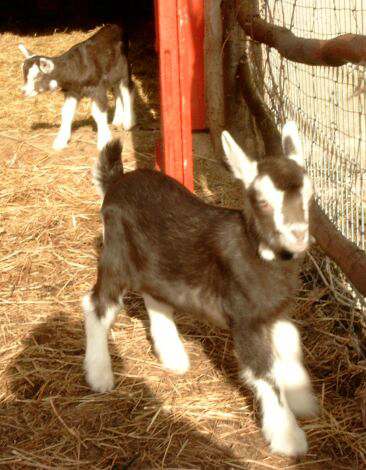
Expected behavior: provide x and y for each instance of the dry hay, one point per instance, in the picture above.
(49, 241)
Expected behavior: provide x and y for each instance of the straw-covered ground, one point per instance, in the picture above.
(49, 236)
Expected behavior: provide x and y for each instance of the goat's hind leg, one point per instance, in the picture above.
(124, 113)
(257, 356)
(100, 115)
(118, 111)
(167, 343)
(100, 313)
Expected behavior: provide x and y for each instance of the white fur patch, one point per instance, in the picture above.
(291, 132)
(295, 383)
(279, 425)
(67, 115)
(288, 370)
(97, 363)
(118, 112)
(307, 191)
(29, 88)
(128, 115)
(267, 190)
(101, 119)
(265, 252)
(286, 340)
(53, 85)
(25, 51)
(242, 167)
(288, 232)
(164, 333)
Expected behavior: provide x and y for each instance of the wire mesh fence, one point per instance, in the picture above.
(328, 104)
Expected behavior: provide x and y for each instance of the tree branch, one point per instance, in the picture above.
(340, 50)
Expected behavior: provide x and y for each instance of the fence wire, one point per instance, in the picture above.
(328, 104)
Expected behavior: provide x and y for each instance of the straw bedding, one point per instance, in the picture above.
(50, 237)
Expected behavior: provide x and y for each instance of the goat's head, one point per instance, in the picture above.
(37, 72)
(279, 192)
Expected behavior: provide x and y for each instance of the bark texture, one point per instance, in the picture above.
(340, 50)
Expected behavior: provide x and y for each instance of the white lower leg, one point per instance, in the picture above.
(101, 118)
(67, 115)
(165, 336)
(288, 370)
(97, 363)
(278, 422)
(118, 112)
(128, 116)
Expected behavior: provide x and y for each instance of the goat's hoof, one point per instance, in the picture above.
(59, 144)
(175, 361)
(100, 380)
(289, 441)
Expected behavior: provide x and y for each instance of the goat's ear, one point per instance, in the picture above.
(26, 52)
(46, 65)
(242, 167)
(291, 143)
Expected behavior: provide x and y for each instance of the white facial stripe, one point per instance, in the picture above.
(264, 186)
(29, 87)
(275, 197)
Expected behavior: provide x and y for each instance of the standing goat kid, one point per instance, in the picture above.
(89, 69)
(237, 269)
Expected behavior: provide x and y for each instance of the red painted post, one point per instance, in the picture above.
(180, 29)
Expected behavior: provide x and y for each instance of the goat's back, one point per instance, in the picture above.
(163, 240)
(99, 60)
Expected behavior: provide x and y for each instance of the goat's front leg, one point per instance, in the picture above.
(270, 357)
(167, 344)
(67, 115)
(97, 363)
(100, 115)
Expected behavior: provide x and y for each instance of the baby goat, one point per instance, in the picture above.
(88, 69)
(235, 269)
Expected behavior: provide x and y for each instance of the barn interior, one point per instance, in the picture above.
(50, 236)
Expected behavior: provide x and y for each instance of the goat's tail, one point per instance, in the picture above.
(109, 166)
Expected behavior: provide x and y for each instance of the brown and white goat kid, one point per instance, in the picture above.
(89, 69)
(236, 269)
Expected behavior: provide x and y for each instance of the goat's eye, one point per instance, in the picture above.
(264, 205)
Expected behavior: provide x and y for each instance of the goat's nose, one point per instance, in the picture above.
(299, 234)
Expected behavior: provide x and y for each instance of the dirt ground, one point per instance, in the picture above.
(49, 237)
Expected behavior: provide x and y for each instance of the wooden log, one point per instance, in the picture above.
(340, 50)
(214, 89)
